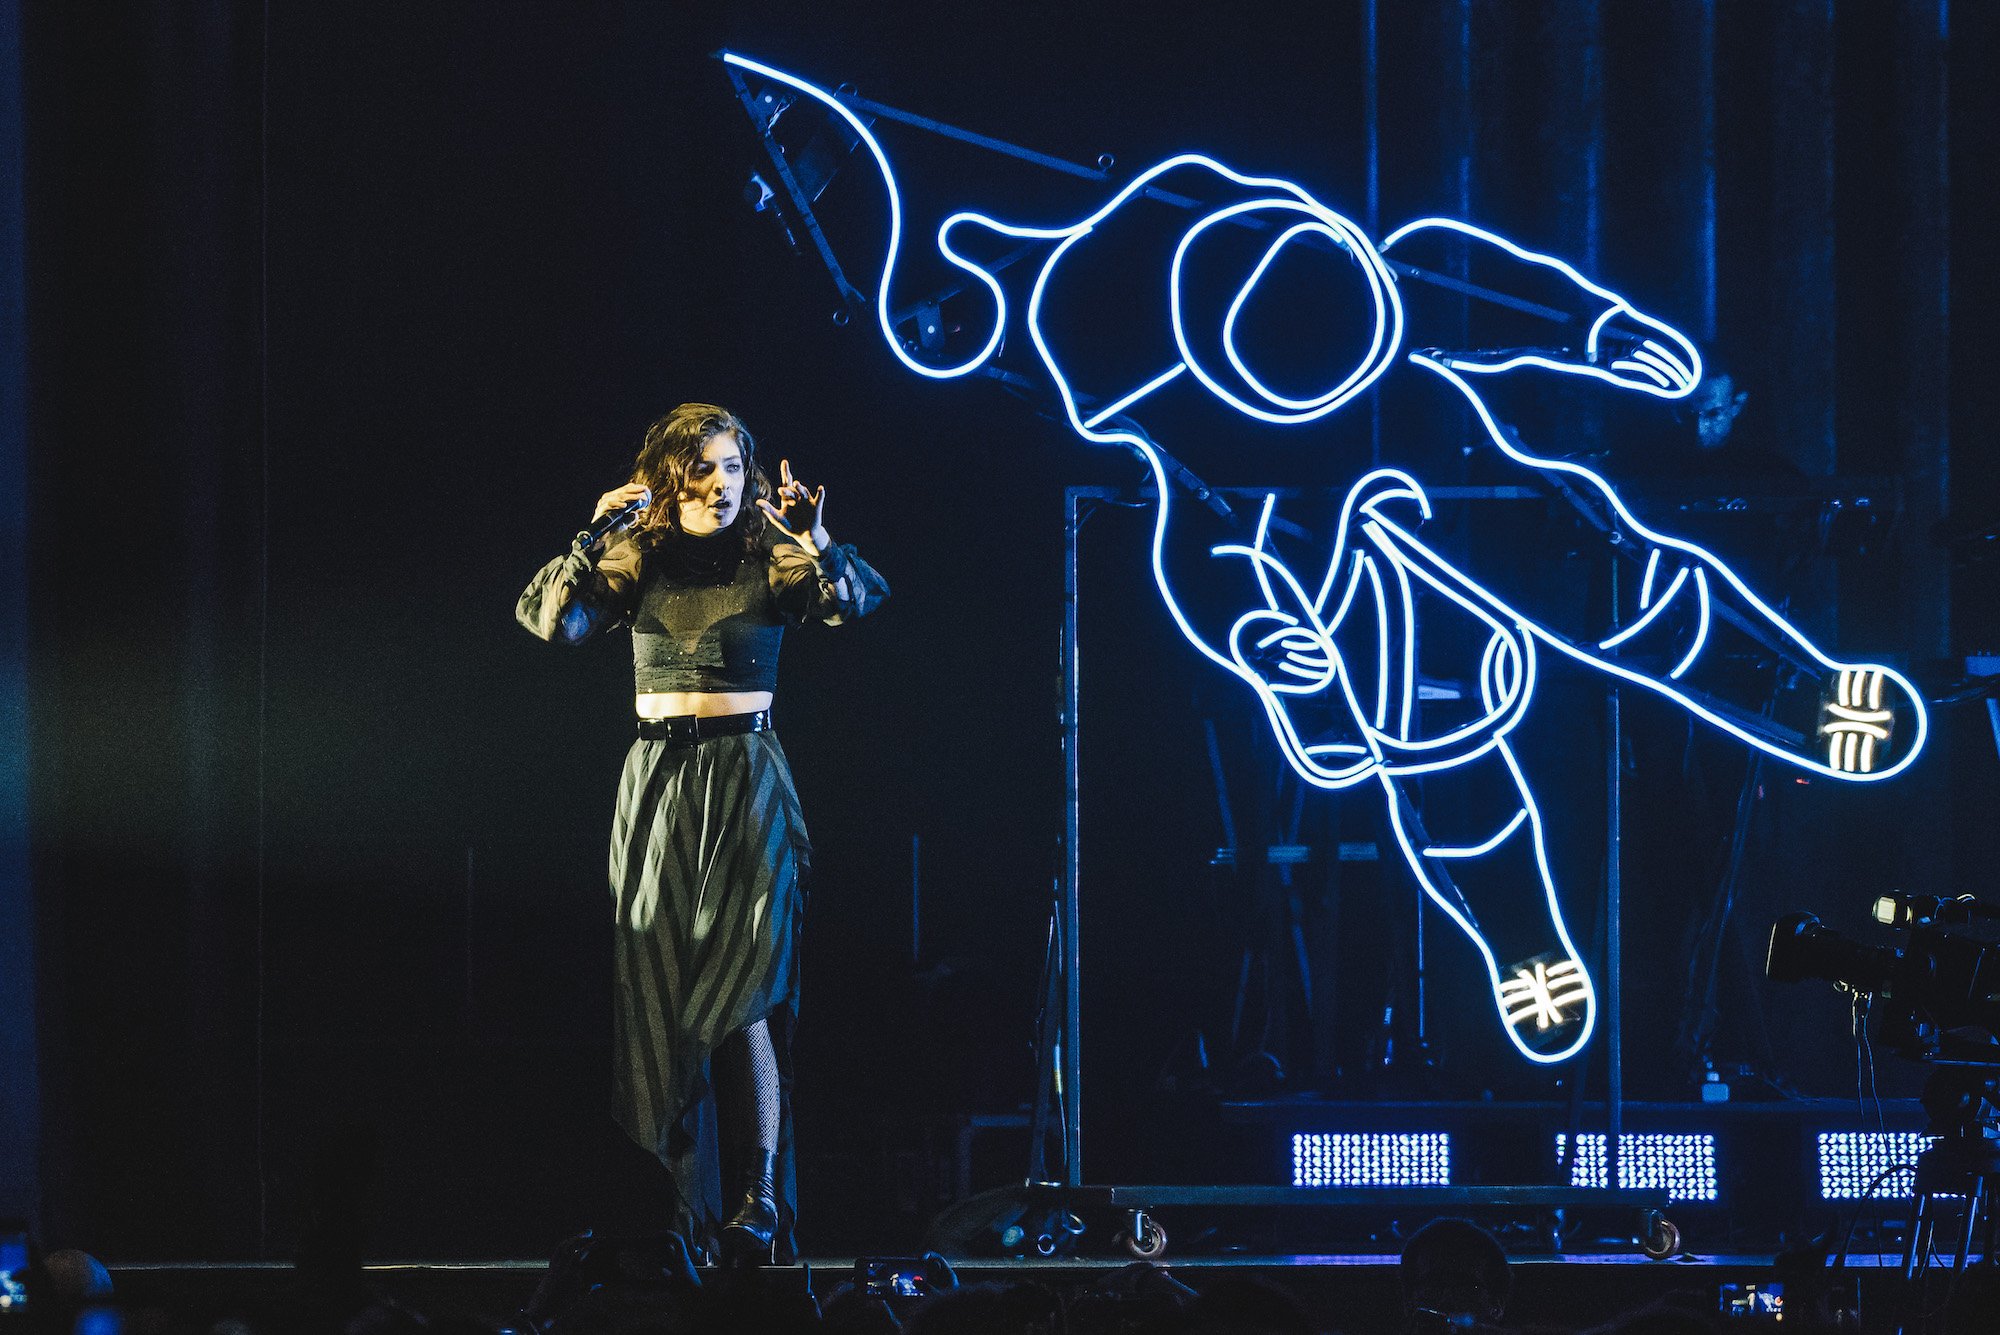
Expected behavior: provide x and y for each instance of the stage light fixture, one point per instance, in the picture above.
(1371, 1159)
(1850, 1160)
(1681, 1164)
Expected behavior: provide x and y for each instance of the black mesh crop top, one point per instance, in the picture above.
(704, 616)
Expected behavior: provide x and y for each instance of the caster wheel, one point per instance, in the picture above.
(1661, 1237)
(1145, 1240)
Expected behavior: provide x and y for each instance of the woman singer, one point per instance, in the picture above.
(708, 846)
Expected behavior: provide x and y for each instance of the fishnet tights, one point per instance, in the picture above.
(746, 1090)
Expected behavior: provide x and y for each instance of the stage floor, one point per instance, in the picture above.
(1347, 1291)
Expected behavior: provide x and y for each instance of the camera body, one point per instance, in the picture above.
(1938, 979)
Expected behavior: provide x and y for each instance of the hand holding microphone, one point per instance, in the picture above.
(616, 509)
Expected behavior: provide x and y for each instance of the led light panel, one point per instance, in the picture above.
(1850, 1160)
(1371, 1159)
(1681, 1164)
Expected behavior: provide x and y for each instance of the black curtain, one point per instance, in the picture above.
(20, 1056)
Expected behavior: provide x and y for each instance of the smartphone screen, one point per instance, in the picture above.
(1765, 1300)
(13, 1271)
(891, 1277)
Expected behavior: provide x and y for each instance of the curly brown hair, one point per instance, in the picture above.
(673, 446)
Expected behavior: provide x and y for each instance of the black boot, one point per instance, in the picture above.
(750, 1236)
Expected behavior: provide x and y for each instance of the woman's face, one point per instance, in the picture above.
(714, 491)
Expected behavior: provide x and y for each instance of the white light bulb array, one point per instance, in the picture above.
(1850, 1160)
(1371, 1159)
(1683, 1165)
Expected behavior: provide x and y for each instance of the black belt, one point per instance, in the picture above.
(687, 729)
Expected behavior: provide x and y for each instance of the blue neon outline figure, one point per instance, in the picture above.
(1309, 646)
(1302, 645)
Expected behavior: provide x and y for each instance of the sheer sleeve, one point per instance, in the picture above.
(836, 587)
(575, 596)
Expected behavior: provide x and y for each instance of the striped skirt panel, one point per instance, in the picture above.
(708, 858)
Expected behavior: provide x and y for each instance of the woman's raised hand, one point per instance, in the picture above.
(801, 510)
(620, 497)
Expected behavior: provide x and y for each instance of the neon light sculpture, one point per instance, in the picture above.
(1345, 640)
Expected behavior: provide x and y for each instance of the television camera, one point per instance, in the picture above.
(1937, 992)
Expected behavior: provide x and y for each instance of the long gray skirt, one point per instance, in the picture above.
(708, 861)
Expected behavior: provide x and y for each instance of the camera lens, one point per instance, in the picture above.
(1802, 948)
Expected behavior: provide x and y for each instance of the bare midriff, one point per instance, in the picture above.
(702, 704)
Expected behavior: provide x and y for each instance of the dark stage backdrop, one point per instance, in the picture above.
(340, 317)
(20, 1095)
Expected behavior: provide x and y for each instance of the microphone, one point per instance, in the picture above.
(611, 522)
